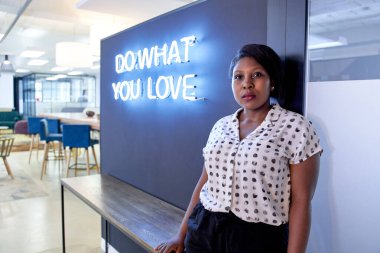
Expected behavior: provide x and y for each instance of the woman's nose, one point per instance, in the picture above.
(248, 83)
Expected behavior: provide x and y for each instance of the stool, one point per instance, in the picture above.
(49, 139)
(78, 136)
(34, 131)
(6, 144)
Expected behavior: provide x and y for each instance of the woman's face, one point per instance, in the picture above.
(250, 84)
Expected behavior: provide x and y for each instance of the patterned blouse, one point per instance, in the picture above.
(251, 177)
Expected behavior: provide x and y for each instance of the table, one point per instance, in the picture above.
(142, 217)
(3, 129)
(74, 118)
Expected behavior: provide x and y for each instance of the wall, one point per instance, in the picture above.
(346, 203)
(97, 90)
(6, 90)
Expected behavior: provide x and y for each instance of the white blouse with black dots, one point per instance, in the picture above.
(251, 177)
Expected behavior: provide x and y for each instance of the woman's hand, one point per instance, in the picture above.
(175, 244)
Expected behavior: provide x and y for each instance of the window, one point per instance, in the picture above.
(344, 40)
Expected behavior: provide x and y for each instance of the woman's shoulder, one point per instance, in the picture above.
(226, 122)
(228, 118)
(290, 116)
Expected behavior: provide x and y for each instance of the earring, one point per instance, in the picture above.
(272, 88)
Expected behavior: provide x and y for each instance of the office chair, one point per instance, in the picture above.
(50, 138)
(34, 131)
(78, 136)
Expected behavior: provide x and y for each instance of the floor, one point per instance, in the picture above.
(34, 224)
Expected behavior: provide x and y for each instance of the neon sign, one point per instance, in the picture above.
(162, 87)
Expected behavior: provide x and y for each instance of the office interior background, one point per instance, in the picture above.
(340, 97)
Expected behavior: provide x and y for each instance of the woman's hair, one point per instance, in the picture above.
(267, 58)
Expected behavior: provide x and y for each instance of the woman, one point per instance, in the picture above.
(260, 171)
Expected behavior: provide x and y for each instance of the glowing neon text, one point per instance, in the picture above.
(161, 87)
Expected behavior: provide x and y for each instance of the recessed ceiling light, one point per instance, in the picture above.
(75, 73)
(60, 76)
(32, 53)
(59, 69)
(37, 62)
(33, 33)
(22, 70)
(51, 78)
(319, 42)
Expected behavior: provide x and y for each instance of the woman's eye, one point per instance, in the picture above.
(257, 75)
(237, 77)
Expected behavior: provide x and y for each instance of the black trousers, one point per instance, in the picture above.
(215, 232)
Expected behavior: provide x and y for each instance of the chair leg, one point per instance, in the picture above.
(62, 153)
(76, 160)
(8, 168)
(96, 161)
(38, 144)
(68, 163)
(44, 163)
(31, 147)
(53, 148)
(58, 157)
(87, 162)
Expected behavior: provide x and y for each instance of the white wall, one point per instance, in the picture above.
(6, 90)
(97, 90)
(346, 207)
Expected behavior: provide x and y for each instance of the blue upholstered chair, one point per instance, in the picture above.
(54, 126)
(79, 136)
(50, 138)
(34, 130)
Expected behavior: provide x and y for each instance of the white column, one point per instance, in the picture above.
(6, 90)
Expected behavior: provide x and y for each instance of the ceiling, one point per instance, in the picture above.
(44, 23)
(353, 25)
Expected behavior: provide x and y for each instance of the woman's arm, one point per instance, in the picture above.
(303, 178)
(176, 244)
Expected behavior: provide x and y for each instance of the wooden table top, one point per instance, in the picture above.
(144, 218)
(74, 118)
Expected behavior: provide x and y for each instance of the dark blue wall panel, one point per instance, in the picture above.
(156, 145)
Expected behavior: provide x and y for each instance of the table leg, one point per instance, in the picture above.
(63, 219)
(107, 235)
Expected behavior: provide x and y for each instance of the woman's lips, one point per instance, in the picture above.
(248, 96)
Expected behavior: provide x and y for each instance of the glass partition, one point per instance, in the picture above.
(41, 94)
(344, 40)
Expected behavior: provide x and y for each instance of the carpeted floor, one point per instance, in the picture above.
(22, 187)
(22, 141)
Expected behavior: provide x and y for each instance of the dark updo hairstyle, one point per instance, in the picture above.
(267, 58)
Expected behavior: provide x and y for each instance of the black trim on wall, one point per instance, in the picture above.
(16, 93)
(287, 33)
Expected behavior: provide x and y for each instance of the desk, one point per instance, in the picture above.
(74, 118)
(142, 217)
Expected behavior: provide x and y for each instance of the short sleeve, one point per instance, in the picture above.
(306, 142)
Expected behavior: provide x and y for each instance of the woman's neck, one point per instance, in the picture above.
(255, 116)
